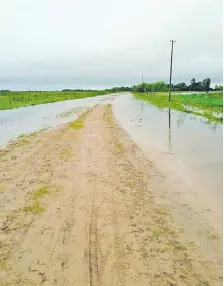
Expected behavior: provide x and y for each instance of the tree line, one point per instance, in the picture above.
(202, 86)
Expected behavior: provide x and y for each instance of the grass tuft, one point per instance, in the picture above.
(77, 124)
(65, 154)
(35, 206)
(4, 255)
(119, 146)
(40, 193)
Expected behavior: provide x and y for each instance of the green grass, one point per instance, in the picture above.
(14, 99)
(209, 104)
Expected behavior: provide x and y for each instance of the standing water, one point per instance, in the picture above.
(24, 120)
(180, 144)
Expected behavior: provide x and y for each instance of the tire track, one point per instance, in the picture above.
(65, 222)
(93, 242)
(93, 252)
(119, 251)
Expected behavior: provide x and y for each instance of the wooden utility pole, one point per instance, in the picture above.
(142, 79)
(171, 67)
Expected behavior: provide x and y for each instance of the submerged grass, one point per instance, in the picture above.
(15, 99)
(207, 105)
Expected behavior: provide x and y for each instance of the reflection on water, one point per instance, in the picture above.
(170, 143)
(194, 144)
(169, 125)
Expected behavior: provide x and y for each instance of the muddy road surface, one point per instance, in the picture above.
(78, 207)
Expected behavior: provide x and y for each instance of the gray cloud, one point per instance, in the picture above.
(91, 44)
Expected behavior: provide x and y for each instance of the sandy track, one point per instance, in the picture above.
(78, 208)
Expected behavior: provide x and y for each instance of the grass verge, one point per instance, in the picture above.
(15, 99)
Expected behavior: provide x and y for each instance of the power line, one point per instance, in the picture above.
(171, 67)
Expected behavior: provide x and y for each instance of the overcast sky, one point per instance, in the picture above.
(53, 44)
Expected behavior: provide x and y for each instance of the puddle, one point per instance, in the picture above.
(25, 120)
(180, 144)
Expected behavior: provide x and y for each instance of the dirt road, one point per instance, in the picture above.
(78, 208)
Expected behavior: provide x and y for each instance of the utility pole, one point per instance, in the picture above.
(171, 66)
(142, 81)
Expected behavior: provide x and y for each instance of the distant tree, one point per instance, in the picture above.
(206, 84)
(151, 87)
(219, 87)
(180, 87)
(159, 86)
(193, 84)
(199, 86)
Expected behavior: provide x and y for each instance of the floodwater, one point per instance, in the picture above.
(25, 120)
(182, 146)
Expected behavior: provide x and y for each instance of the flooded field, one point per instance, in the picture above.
(25, 120)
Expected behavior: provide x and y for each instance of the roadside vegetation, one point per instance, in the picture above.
(14, 99)
(210, 105)
(197, 97)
